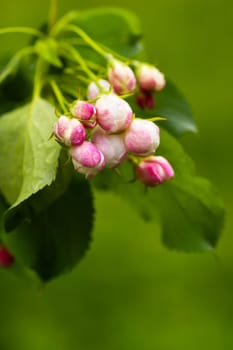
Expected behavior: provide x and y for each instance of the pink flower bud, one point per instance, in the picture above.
(93, 91)
(154, 171)
(142, 137)
(85, 112)
(150, 78)
(68, 131)
(113, 113)
(87, 159)
(121, 77)
(112, 147)
(6, 258)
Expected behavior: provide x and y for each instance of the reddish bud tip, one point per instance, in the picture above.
(6, 258)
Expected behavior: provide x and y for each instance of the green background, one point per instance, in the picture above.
(130, 293)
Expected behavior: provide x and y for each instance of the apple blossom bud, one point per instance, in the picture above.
(142, 137)
(154, 171)
(150, 78)
(87, 159)
(85, 112)
(112, 147)
(68, 131)
(93, 90)
(113, 113)
(121, 77)
(6, 258)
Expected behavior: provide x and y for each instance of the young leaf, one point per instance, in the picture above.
(28, 158)
(48, 49)
(190, 211)
(170, 103)
(56, 239)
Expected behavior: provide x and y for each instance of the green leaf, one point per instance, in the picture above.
(188, 207)
(170, 103)
(41, 200)
(115, 28)
(53, 241)
(191, 210)
(197, 220)
(28, 157)
(48, 50)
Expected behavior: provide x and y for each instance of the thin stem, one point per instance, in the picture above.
(57, 92)
(134, 159)
(87, 39)
(38, 79)
(116, 55)
(78, 41)
(94, 66)
(23, 30)
(63, 22)
(70, 71)
(52, 13)
(78, 58)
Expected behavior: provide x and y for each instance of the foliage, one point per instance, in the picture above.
(48, 210)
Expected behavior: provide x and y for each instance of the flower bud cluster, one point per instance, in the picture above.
(103, 131)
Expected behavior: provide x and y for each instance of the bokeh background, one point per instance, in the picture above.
(130, 293)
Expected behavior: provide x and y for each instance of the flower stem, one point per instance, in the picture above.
(57, 92)
(38, 78)
(52, 13)
(134, 159)
(62, 22)
(72, 53)
(23, 30)
(87, 39)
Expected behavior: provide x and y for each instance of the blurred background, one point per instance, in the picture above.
(131, 293)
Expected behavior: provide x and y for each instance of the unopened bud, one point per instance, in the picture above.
(6, 258)
(122, 77)
(93, 90)
(85, 112)
(112, 147)
(69, 132)
(113, 113)
(87, 159)
(142, 137)
(150, 78)
(154, 171)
